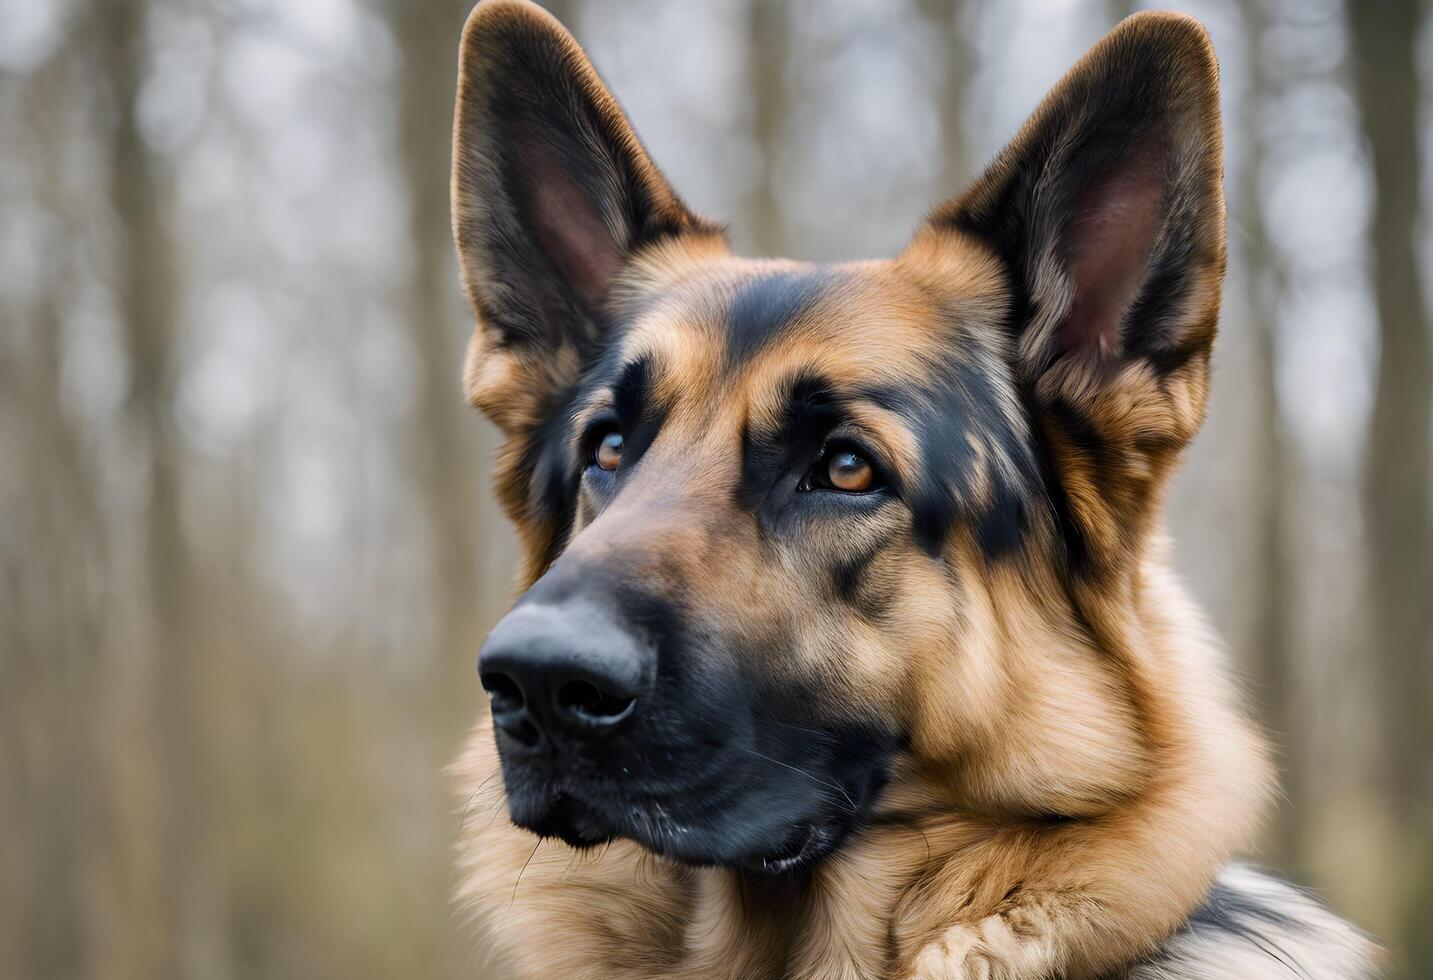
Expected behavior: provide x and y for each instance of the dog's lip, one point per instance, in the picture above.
(805, 843)
(567, 818)
(584, 815)
(570, 819)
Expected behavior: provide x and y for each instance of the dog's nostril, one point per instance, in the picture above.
(503, 692)
(588, 702)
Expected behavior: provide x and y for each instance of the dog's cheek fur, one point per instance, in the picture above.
(994, 659)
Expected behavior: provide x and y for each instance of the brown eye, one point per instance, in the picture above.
(609, 451)
(850, 472)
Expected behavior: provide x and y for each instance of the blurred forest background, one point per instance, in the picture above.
(247, 550)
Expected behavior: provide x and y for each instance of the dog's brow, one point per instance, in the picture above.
(780, 413)
(814, 405)
(623, 388)
(766, 306)
(629, 391)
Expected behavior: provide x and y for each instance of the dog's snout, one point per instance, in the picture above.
(563, 673)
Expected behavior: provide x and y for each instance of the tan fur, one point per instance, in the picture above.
(1099, 699)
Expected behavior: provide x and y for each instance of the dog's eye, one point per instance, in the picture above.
(845, 469)
(607, 451)
(850, 471)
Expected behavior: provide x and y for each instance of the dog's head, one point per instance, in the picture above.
(792, 529)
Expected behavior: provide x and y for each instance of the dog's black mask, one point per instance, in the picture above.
(617, 717)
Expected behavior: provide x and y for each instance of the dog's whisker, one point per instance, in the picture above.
(521, 872)
(467, 807)
(815, 779)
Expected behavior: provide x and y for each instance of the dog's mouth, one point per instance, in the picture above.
(580, 824)
(804, 846)
(773, 801)
(568, 819)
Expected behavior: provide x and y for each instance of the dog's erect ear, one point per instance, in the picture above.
(1108, 213)
(552, 195)
(553, 199)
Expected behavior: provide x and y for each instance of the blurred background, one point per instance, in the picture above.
(247, 548)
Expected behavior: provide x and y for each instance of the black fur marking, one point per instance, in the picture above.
(656, 613)
(1167, 360)
(812, 410)
(947, 415)
(1072, 535)
(846, 576)
(1001, 528)
(641, 417)
(1228, 911)
(629, 393)
(1152, 325)
(552, 477)
(545, 456)
(1105, 461)
(1083, 435)
(854, 587)
(764, 307)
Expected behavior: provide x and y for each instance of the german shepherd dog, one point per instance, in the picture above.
(848, 645)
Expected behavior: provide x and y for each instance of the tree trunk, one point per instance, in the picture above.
(52, 638)
(1271, 661)
(1399, 529)
(768, 49)
(1396, 485)
(957, 60)
(428, 38)
(145, 285)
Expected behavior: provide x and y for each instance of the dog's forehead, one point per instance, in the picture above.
(756, 325)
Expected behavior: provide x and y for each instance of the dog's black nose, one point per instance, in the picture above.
(563, 673)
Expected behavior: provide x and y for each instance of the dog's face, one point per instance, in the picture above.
(773, 475)
(793, 531)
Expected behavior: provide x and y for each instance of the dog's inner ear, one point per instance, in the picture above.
(567, 225)
(1106, 252)
(1107, 212)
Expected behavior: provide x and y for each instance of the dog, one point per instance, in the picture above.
(847, 645)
